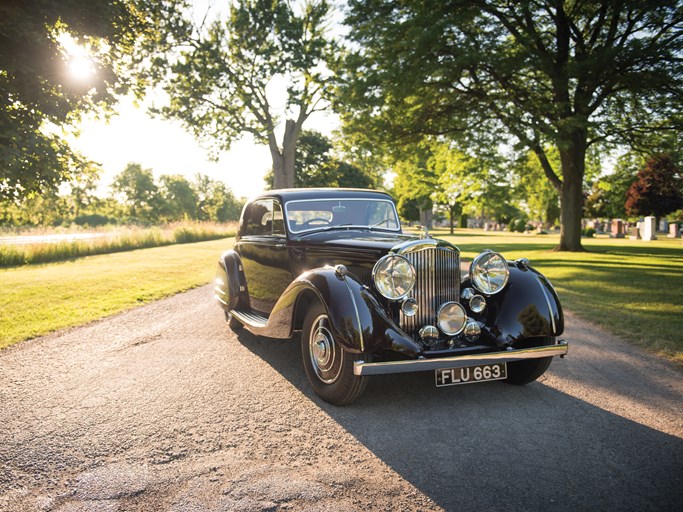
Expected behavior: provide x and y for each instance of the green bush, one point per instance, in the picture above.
(93, 220)
(588, 233)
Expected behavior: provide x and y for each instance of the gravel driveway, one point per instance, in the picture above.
(163, 408)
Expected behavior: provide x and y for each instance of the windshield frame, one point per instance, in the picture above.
(339, 226)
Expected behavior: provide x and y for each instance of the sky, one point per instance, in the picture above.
(165, 147)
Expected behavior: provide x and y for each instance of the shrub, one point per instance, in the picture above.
(588, 232)
(93, 220)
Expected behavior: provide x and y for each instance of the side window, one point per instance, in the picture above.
(259, 218)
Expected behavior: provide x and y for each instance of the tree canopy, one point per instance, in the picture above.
(219, 77)
(657, 190)
(39, 91)
(535, 73)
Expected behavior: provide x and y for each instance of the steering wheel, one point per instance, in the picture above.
(316, 219)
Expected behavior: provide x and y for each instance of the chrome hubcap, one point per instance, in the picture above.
(324, 353)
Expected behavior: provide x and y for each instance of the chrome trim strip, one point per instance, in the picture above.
(418, 365)
(355, 308)
(547, 301)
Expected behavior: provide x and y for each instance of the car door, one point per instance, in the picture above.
(263, 249)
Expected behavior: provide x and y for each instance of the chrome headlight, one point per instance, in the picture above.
(394, 276)
(489, 272)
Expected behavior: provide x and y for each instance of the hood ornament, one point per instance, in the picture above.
(425, 232)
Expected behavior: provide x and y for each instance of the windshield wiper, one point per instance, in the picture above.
(380, 222)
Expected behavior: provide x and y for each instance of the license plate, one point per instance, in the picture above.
(470, 374)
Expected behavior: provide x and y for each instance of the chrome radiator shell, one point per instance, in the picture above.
(437, 265)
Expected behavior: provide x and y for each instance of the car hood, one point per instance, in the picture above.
(354, 248)
(354, 239)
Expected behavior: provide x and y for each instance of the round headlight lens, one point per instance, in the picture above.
(394, 276)
(452, 318)
(489, 272)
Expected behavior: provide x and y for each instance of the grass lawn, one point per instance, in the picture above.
(631, 287)
(38, 299)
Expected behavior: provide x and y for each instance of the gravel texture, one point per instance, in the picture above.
(164, 408)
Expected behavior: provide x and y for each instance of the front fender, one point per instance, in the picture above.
(357, 320)
(527, 308)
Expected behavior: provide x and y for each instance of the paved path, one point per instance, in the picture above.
(163, 408)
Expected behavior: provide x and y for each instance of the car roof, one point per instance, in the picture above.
(294, 194)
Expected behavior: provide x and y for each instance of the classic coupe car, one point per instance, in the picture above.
(370, 299)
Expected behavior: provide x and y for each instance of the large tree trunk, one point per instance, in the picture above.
(283, 161)
(426, 218)
(573, 159)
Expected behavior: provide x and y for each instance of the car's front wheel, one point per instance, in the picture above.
(328, 366)
(528, 370)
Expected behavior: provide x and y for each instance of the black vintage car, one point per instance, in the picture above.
(369, 299)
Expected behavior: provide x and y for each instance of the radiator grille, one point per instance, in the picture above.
(438, 281)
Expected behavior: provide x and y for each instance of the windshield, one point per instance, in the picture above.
(322, 214)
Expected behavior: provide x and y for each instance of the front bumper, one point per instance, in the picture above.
(419, 365)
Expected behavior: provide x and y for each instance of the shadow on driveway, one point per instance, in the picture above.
(493, 446)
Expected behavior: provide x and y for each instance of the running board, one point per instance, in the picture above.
(250, 318)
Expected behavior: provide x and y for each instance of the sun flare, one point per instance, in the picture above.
(81, 68)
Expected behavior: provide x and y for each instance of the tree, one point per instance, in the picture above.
(532, 187)
(215, 201)
(457, 183)
(139, 191)
(178, 198)
(220, 77)
(414, 185)
(40, 93)
(565, 74)
(658, 189)
(607, 194)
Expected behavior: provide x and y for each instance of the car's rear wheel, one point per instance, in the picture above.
(528, 370)
(328, 366)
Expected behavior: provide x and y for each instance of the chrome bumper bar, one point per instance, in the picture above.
(419, 365)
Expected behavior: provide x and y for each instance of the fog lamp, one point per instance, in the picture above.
(472, 331)
(477, 303)
(409, 307)
(452, 318)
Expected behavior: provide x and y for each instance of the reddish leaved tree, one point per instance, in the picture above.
(658, 189)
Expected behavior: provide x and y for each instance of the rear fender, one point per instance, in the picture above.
(229, 285)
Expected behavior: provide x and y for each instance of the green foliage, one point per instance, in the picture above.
(415, 183)
(531, 186)
(316, 166)
(178, 198)
(607, 195)
(217, 76)
(38, 93)
(567, 75)
(139, 191)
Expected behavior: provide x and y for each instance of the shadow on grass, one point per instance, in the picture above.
(499, 447)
